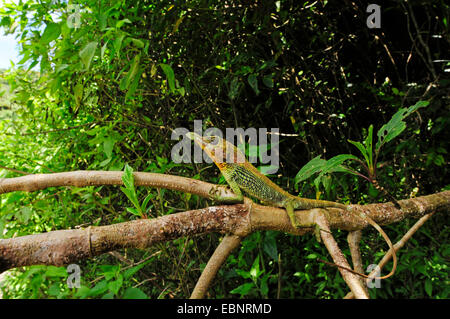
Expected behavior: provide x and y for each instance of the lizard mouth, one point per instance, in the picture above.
(208, 144)
(218, 149)
(213, 146)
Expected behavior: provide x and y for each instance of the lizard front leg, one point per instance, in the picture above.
(218, 195)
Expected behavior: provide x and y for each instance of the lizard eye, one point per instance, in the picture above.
(213, 140)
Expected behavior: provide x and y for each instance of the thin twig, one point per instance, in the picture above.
(15, 170)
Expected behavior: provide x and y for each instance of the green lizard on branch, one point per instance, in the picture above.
(241, 175)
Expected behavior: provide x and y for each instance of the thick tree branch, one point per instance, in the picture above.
(66, 246)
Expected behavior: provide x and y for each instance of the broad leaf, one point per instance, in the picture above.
(87, 53)
(234, 88)
(396, 125)
(134, 293)
(253, 81)
(243, 289)
(51, 32)
(170, 76)
(312, 167)
(362, 149)
(334, 163)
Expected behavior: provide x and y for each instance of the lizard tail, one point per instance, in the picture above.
(386, 238)
(388, 241)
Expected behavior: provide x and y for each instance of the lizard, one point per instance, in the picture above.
(243, 176)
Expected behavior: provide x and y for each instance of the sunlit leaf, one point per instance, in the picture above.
(168, 71)
(51, 33)
(87, 53)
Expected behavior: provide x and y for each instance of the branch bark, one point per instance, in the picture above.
(238, 220)
(397, 247)
(36, 182)
(353, 239)
(65, 246)
(351, 279)
(226, 246)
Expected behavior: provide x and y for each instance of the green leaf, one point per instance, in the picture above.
(334, 163)
(138, 43)
(131, 271)
(103, 49)
(168, 71)
(24, 214)
(115, 285)
(51, 32)
(368, 142)
(53, 271)
(253, 81)
(362, 149)
(120, 23)
(108, 146)
(54, 290)
(102, 20)
(99, 288)
(134, 293)
(243, 289)
(129, 190)
(244, 274)
(134, 85)
(133, 211)
(133, 70)
(270, 246)
(392, 129)
(118, 44)
(108, 295)
(396, 125)
(83, 292)
(234, 88)
(312, 167)
(255, 270)
(87, 53)
(416, 106)
(268, 81)
(78, 93)
(145, 202)
(128, 178)
(428, 287)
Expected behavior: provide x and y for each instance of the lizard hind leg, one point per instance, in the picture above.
(290, 211)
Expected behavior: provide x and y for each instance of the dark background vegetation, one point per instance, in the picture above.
(111, 91)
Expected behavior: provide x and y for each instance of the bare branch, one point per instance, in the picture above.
(65, 246)
(36, 182)
(397, 247)
(353, 239)
(226, 246)
(351, 279)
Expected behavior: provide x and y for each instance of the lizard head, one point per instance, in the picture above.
(219, 150)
